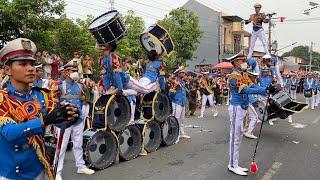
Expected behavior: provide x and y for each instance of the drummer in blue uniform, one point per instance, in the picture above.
(239, 87)
(309, 89)
(72, 92)
(317, 87)
(21, 145)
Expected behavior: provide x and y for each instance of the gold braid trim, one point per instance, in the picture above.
(40, 153)
(4, 120)
(241, 87)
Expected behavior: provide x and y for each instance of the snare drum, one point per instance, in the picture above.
(157, 38)
(225, 92)
(100, 148)
(308, 93)
(108, 28)
(293, 87)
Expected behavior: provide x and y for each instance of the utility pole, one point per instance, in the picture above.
(111, 4)
(270, 26)
(310, 56)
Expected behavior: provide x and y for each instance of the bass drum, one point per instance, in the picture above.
(108, 28)
(130, 142)
(157, 38)
(170, 131)
(100, 148)
(151, 133)
(115, 110)
(156, 105)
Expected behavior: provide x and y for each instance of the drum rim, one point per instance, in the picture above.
(105, 24)
(163, 138)
(114, 97)
(143, 134)
(120, 153)
(153, 37)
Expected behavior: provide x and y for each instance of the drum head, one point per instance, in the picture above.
(99, 112)
(149, 43)
(100, 148)
(119, 113)
(170, 131)
(260, 108)
(103, 19)
(152, 136)
(162, 107)
(130, 143)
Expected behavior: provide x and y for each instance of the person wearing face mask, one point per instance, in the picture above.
(72, 92)
(240, 89)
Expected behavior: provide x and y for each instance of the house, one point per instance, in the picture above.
(210, 20)
(233, 36)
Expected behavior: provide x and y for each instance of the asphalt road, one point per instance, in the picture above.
(286, 151)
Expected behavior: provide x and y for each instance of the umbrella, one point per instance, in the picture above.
(223, 65)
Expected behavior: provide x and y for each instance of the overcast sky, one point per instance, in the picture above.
(285, 33)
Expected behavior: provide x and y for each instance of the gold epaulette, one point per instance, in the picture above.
(236, 75)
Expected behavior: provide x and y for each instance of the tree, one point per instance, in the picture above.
(303, 52)
(20, 18)
(184, 29)
(130, 44)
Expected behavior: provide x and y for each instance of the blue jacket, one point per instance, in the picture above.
(180, 95)
(19, 159)
(309, 84)
(75, 93)
(153, 73)
(111, 78)
(265, 81)
(240, 93)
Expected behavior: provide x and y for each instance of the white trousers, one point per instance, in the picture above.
(143, 86)
(255, 35)
(253, 117)
(76, 133)
(133, 110)
(204, 100)
(237, 115)
(310, 101)
(293, 94)
(317, 99)
(180, 113)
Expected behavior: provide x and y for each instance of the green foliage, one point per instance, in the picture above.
(303, 52)
(20, 18)
(184, 29)
(130, 44)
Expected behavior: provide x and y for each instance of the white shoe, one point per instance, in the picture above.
(58, 177)
(177, 141)
(184, 136)
(251, 136)
(200, 116)
(237, 171)
(215, 114)
(290, 121)
(241, 168)
(271, 123)
(85, 171)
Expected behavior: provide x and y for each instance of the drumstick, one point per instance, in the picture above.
(57, 155)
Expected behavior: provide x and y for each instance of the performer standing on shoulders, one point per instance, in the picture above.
(257, 19)
(21, 145)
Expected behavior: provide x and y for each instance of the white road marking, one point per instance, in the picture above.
(316, 120)
(272, 171)
(298, 125)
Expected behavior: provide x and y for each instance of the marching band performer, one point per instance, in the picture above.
(240, 89)
(178, 96)
(308, 90)
(39, 81)
(253, 116)
(72, 92)
(294, 83)
(207, 95)
(317, 87)
(257, 19)
(21, 144)
(286, 79)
